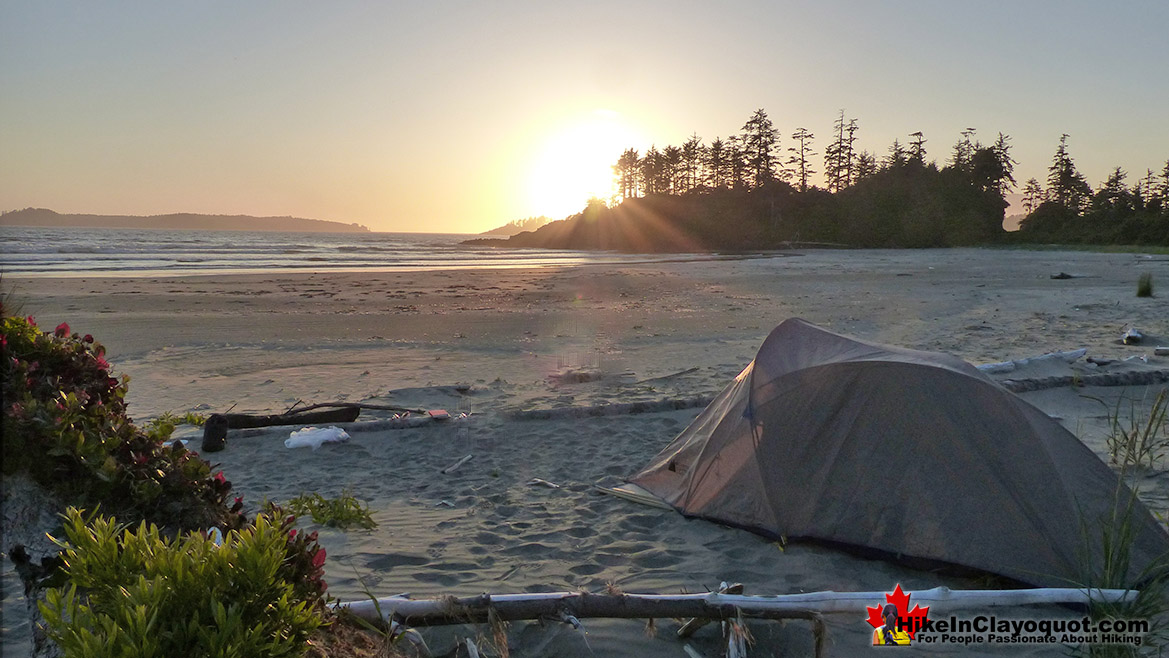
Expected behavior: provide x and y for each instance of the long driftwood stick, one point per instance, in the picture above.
(568, 605)
(345, 415)
(426, 612)
(353, 405)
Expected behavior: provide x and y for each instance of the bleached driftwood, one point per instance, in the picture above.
(694, 623)
(408, 421)
(1010, 366)
(1129, 378)
(456, 465)
(650, 406)
(713, 605)
(578, 605)
(427, 612)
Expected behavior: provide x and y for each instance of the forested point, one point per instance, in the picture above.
(739, 194)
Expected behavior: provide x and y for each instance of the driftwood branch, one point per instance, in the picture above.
(566, 605)
(216, 426)
(238, 421)
(354, 405)
(425, 612)
(487, 608)
(694, 623)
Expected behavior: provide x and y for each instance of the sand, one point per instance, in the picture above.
(488, 342)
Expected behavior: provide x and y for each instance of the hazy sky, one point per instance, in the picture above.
(460, 116)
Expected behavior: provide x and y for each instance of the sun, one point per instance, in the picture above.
(575, 162)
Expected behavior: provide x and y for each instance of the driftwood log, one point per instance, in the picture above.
(216, 426)
(713, 605)
(572, 606)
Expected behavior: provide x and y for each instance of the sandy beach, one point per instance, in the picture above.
(489, 342)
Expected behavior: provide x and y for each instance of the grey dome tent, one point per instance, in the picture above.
(909, 453)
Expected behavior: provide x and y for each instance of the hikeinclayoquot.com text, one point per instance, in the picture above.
(988, 629)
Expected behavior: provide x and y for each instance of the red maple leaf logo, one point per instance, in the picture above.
(908, 620)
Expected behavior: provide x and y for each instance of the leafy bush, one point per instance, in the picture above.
(162, 427)
(137, 593)
(342, 512)
(65, 423)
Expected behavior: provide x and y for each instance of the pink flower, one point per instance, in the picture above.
(319, 558)
(292, 534)
(31, 320)
(62, 330)
(88, 338)
(102, 363)
(219, 478)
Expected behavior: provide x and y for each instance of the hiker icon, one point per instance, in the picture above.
(890, 634)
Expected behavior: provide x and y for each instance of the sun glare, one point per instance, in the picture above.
(576, 162)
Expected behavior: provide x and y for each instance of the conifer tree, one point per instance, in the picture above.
(716, 163)
(759, 141)
(963, 155)
(917, 148)
(839, 157)
(691, 162)
(1032, 195)
(897, 156)
(1067, 185)
(801, 152)
(627, 172)
(866, 165)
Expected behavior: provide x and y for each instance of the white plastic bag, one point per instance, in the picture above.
(313, 437)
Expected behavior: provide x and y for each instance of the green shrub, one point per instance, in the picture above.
(137, 593)
(342, 512)
(162, 427)
(1145, 285)
(65, 424)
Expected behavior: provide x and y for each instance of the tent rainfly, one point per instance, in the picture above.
(899, 452)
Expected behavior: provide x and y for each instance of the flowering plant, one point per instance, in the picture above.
(65, 424)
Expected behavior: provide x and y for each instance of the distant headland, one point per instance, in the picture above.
(739, 195)
(177, 221)
(518, 226)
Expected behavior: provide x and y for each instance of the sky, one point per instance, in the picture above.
(459, 116)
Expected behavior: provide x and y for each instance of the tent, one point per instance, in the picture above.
(898, 452)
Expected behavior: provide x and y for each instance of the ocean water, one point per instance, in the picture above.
(34, 251)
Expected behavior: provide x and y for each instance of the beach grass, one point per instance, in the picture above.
(1150, 596)
(1138, 439)
(1145, 285)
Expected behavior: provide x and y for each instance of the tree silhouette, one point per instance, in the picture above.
(801, 152)
(1066, 185)
(759, 140)
(627, 172)
(1032, 196)
(991, 167)
(897, 157)
(917, 148)
(963, 156)
(691, 162)
(866, 165)
(737, 163)
(717, 165)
